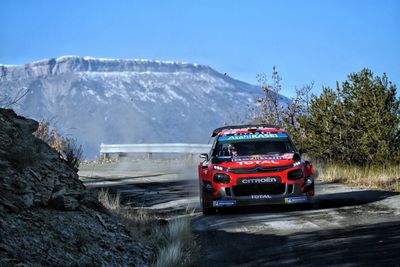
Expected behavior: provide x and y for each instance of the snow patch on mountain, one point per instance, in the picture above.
(129, 101)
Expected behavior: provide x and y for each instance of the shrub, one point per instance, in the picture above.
(356, 124)
(68, 148)
(72, 153)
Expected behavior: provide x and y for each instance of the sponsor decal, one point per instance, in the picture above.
(256, 157)
(224, 203)
(251, 136)
(244, 163)
(260, 180)
(288, 156)
(260, 196)
(296, 199)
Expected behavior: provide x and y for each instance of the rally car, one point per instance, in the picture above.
(253, 165)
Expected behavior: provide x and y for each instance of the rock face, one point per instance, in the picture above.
(47, 218)
(128, 101)
(33, 174)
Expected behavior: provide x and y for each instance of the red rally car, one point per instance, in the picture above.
(253, 165)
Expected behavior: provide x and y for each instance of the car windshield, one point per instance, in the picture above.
(253, 147)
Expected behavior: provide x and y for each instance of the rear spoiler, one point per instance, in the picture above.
(232, 127)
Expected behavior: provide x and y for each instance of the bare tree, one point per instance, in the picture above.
(271, 109)
(7, 101)
(73, 153)
(299, 105)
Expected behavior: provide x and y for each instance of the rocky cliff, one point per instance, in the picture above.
(47, 218)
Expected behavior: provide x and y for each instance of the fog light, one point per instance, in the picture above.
(308, 182)
(208, 186)
(221, 178)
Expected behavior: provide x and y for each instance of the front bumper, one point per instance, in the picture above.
(293, 194)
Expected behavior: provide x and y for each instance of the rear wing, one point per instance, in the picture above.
(232, 127)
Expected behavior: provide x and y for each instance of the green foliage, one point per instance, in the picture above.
(358, 123)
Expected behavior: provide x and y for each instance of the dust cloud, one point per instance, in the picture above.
(162, 182)
(185, 168)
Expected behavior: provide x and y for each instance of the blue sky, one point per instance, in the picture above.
(319, 41)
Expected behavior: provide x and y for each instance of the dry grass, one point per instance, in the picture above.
(109, 202)
(177, 246)
(138, 221)
(173, 239)
(384, 178)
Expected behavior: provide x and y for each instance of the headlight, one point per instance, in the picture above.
(297, 163)
(221, 178)
(295, 174)
(219, 168)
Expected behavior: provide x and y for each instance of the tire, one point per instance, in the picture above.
(206, 210)
(209, 211)
(309, 206)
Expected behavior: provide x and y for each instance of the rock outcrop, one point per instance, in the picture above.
(73, 64)
(47, 217)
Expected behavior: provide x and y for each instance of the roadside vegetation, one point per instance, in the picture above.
(68, 148)
(352, 131)
(173, 238)
(375, 177)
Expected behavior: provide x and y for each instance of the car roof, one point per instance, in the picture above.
(248, 128)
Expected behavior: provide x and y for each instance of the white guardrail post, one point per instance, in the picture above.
(120, 149)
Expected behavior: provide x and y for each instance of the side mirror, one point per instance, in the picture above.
(204, 156)
(215, 160)
(302, 151)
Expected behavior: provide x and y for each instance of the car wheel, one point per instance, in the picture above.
(310, 206)
(209, 211)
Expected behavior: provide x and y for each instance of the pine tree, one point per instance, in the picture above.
(373, 112)
(321, 126)
(358, 123)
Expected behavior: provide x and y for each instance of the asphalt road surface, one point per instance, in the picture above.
(347, 227)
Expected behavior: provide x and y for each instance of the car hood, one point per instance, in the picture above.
(259, 160)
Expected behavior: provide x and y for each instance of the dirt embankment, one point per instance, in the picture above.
(47, 217)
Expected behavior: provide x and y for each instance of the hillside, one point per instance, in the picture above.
(128, 101)
(47, 216)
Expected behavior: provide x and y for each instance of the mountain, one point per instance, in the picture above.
(127, 101)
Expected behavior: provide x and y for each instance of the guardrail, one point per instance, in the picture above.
(121, 149)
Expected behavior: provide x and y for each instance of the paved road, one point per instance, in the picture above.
(347, 227)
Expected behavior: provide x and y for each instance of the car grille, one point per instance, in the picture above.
(259, 189)
(259, 169)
